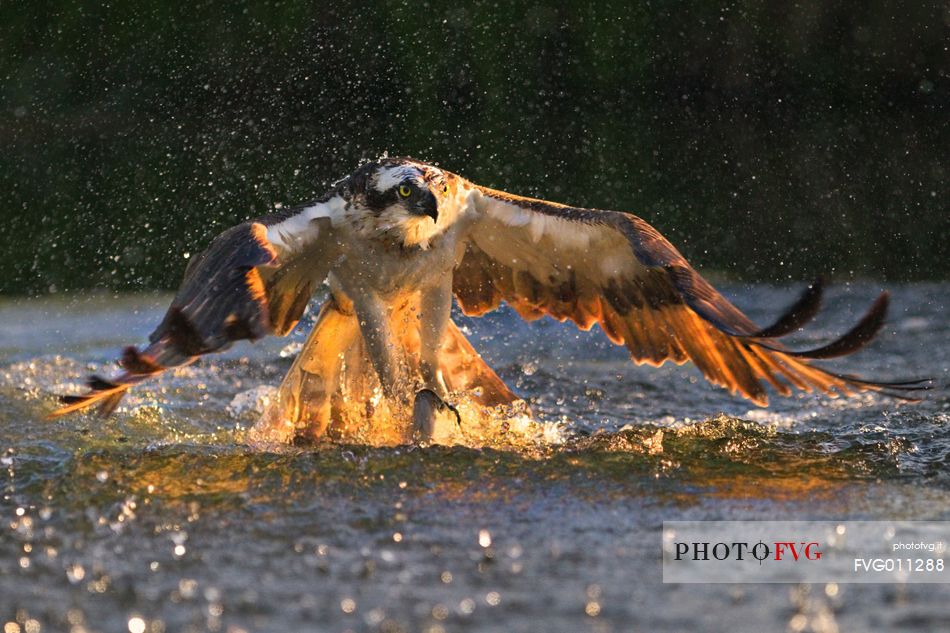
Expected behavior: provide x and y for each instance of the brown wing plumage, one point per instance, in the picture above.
(615, 270)
(242, 287)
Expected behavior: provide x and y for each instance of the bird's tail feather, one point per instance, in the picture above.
(464, 370)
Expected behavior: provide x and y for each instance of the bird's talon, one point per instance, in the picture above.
(453, 409)
(427, 409)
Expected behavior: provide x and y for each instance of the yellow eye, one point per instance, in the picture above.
(445, 188)
(405, 191)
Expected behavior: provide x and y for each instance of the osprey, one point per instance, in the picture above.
(398, 239)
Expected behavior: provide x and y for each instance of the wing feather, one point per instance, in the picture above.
(615, 270)
(254, 279)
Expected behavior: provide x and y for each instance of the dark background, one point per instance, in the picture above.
(767, 140)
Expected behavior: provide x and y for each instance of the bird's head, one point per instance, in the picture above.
(401, 198)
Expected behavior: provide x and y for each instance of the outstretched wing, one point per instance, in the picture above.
(615, 270)
(254, 279)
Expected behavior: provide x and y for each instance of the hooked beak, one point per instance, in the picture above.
(427, 205)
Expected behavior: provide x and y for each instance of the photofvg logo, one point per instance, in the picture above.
(804, 551)
(741, 550)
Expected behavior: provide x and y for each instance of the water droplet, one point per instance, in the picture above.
(136, 625)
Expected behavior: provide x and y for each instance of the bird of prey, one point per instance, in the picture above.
(396, 240)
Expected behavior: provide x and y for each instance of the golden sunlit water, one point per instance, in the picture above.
(172, 516)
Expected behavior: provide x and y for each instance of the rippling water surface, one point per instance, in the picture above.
(161, 518)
